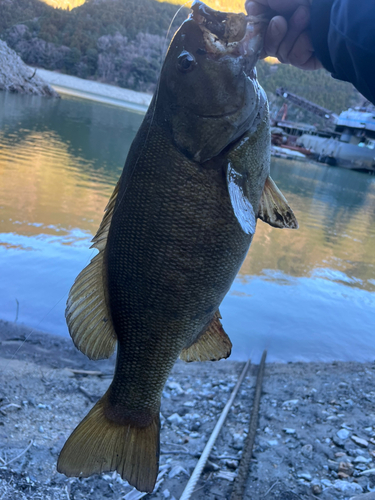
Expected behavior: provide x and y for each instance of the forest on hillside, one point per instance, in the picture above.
(114, 41)
(122, 42)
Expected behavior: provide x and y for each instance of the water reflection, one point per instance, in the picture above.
(303, 294)
(103, 133)
(335, 211)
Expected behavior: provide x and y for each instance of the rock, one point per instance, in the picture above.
(343, 434)
(15, 76)
(342, 475)
(346, 426)
(211, 467)
(194, 435)
(65, 372)
(166, 395)
(316, 486)
(177, 469)
(231, 464)
(195, 426)
(326, 482)
(323, 449)
(350, 448)
(305, 475)
(166, 493)
(343, 456)
(273, 442)
(346, 468)
(338, 441)
(237, 441)
(289, 431)
(346, 487)
(333, 465)
(359, 441)
(362, 460)
(175, 419)
(364, 496)
(307, 451)
(175, 386)
(225, 474)
(290, 404)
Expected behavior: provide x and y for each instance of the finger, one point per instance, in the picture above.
(286, 6)
(298, 23)
(275, 34)
(302, 51)
(254, 8)
(312, 64)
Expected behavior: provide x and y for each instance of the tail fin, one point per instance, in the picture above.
(100, 445)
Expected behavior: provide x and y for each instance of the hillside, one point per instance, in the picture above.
(121, 42)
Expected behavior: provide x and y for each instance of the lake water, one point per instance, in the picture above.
(303, 295)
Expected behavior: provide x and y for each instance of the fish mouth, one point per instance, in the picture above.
(228, 33)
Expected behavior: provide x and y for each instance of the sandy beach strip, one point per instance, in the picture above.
(96, 91)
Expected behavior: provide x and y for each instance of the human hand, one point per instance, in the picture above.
(287, 36)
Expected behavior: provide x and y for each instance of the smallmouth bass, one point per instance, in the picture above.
(174, 235)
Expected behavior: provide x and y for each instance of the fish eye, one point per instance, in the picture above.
(186, 61)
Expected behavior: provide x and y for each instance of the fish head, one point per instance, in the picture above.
(208, 91)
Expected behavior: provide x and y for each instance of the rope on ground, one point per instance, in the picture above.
(244, 467)
(186, 494)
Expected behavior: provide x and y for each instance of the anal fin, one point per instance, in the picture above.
(274, 208)
(213, 345)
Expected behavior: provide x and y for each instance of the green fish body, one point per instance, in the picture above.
(175, 233)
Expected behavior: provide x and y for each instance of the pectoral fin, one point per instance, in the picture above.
(274, 208)
(213, 345)
(242, 208)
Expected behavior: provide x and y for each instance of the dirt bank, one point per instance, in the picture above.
(15, 76)
(315, 439)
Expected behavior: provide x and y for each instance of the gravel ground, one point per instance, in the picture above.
(315, 439)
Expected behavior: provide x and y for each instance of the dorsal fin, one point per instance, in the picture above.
(87, 316)
(274, 209)
(213, 345)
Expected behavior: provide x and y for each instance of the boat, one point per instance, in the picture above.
(348, 140)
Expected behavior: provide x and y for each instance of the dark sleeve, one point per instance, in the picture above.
(343, 36)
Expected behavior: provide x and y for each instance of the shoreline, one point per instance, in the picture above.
(96, 91)
(315, 437)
